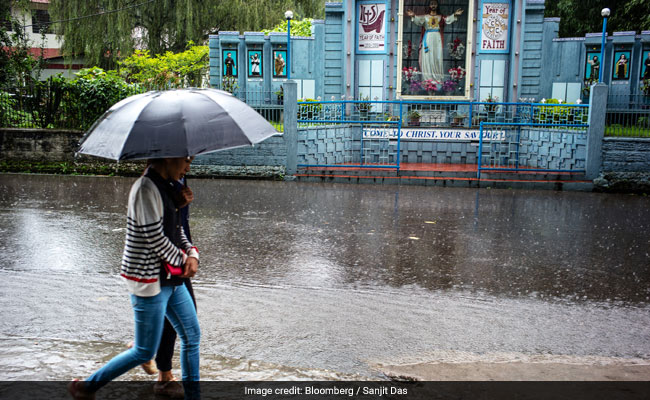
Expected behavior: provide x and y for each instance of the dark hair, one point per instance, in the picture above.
(437, 9)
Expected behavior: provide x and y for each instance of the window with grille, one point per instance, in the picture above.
(5, 21)
(492, 82)
(371, 81)
(40, 21)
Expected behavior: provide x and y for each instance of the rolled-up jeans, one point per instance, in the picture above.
(149, 312)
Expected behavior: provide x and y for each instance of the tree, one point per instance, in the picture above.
(167, 70)
(17, 64)
(116, 27)
(579, 17)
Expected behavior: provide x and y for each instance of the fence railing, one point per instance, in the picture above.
(628, 116)
(381, 124)
(329, 138)
(55, 106)
(532, 147)
(48, 105)
(438, 114)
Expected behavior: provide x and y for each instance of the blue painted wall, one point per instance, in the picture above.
(535, 60)
(304, 63)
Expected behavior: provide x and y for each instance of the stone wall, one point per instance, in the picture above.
(53, 151)
(272, 151)
(626, 154)
(38, 144)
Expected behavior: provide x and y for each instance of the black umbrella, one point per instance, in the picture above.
(174, 123)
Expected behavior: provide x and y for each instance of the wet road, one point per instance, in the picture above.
(320, 281)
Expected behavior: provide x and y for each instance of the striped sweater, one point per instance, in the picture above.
(146, 245)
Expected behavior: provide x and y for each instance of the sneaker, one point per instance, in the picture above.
(76, 390)
(173, 389)
(149, 367)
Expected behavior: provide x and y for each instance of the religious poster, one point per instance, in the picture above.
(254, 63)
(645, 65)
(621, 69)
(434, 44)
(495, 21)
(230, 67)
(279, 63)
(592, 66)
(371, 28)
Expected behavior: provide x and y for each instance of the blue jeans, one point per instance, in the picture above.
(174, 302)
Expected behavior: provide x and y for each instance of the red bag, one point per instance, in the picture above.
(173, 270)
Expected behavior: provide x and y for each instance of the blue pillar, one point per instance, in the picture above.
(291, 126)
(288, 48)
(596, 132)
(605, 14)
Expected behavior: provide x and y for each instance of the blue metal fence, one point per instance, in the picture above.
(267, 103)
(331, 134)
(334, 133)
(532, 147)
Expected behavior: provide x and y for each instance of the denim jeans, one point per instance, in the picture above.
(174, 302)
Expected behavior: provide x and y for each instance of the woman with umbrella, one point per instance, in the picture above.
(169, 128)
(155, 237)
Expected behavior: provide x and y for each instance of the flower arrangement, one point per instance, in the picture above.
(409, 74)
(365, 106)
(430, 85)
(415, 86)
(456, 49)
(491, 99)
(449, 86)
(456, 73)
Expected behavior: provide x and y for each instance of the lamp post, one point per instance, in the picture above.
(605, 13)
(288, 15)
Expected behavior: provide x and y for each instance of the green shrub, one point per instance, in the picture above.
(93, 92)
(298, 28)
(562, 113)
(309, 111)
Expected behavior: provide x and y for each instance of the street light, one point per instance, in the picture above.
(288, 15)
(605, 13)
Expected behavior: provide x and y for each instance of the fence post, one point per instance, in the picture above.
(596, 130)
(291, 126)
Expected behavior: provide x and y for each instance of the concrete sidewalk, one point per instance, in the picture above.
(517, 371)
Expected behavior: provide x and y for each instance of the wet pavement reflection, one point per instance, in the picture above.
(321, 281)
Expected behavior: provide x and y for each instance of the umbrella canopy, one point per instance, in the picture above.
(174, 123)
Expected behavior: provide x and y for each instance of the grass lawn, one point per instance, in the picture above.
(627, 131)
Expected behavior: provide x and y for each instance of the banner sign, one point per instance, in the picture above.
(495, 23)
(371, 28)
(433, 134)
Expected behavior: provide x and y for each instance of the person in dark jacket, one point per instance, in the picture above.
(167, 384)
(155, 251)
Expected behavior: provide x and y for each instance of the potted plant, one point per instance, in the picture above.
(280, 94)
(364, 107)
(645, 87)
(414, 118)
(491, 107)
(458, 119)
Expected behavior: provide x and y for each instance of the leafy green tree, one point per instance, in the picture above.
(298, 28)
(579, 17)
(17, 65)
(161, 25)
(167, 70)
